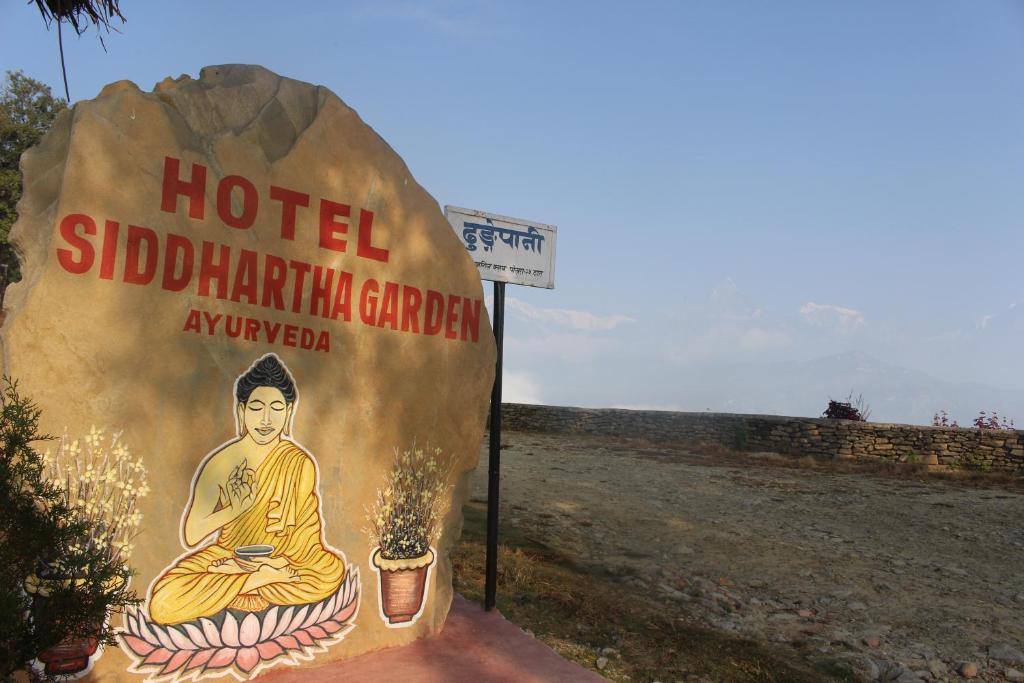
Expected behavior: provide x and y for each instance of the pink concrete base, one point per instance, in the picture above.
(474, 647)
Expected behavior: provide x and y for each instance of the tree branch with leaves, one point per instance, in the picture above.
(79, 14)
(27, 110)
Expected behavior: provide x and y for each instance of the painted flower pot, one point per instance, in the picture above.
(70, 656)
(403, 585)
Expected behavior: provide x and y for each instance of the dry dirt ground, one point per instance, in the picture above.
(907, 578)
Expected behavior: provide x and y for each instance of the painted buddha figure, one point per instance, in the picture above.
(260, 489)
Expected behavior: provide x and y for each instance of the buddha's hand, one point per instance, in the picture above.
(253, 564)
(241, 487)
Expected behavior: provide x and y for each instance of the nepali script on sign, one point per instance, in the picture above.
(507, 249)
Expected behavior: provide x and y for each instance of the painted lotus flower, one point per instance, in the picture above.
(243, 647)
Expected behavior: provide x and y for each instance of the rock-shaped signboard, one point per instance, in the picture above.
(270, 359)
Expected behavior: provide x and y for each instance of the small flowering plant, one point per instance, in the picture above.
(992, 421)
(100, 485)
(941, 419)
(406, 516)
(61, 584)
(98, 476)
(983, 421)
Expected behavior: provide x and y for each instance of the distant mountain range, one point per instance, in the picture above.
(894, 394)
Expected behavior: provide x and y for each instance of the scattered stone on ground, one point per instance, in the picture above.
(968, 669)
(898, 578)
(1004, 652)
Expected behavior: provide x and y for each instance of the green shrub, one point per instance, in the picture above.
(45, 542)
(850, 409)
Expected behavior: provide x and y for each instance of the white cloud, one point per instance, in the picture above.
(828, 315)
(520, 387)
(728, 342)
(726, 327)
(577, 320)
(1001, 319)
(726, 302)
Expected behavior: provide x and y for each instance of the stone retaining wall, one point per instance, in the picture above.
(955, 447)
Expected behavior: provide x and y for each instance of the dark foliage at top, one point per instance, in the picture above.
(850, 409)
(80, 13)
(27, 110)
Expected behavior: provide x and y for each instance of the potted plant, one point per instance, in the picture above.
(68, 584)
(404, 522)
(103, 484)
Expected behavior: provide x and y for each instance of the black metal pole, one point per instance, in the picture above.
(494, 464)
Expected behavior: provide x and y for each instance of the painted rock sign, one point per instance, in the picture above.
(270, 359)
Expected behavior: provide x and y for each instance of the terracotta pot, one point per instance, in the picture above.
(402, 585)
(69, 657)
(72, 655)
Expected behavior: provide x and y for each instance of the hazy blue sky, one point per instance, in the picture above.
(732, 181)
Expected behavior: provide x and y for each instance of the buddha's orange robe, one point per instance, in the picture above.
(286, 515)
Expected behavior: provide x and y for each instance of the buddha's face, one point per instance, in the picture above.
(265, 415)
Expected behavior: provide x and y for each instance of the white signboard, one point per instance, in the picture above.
(507, 249)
